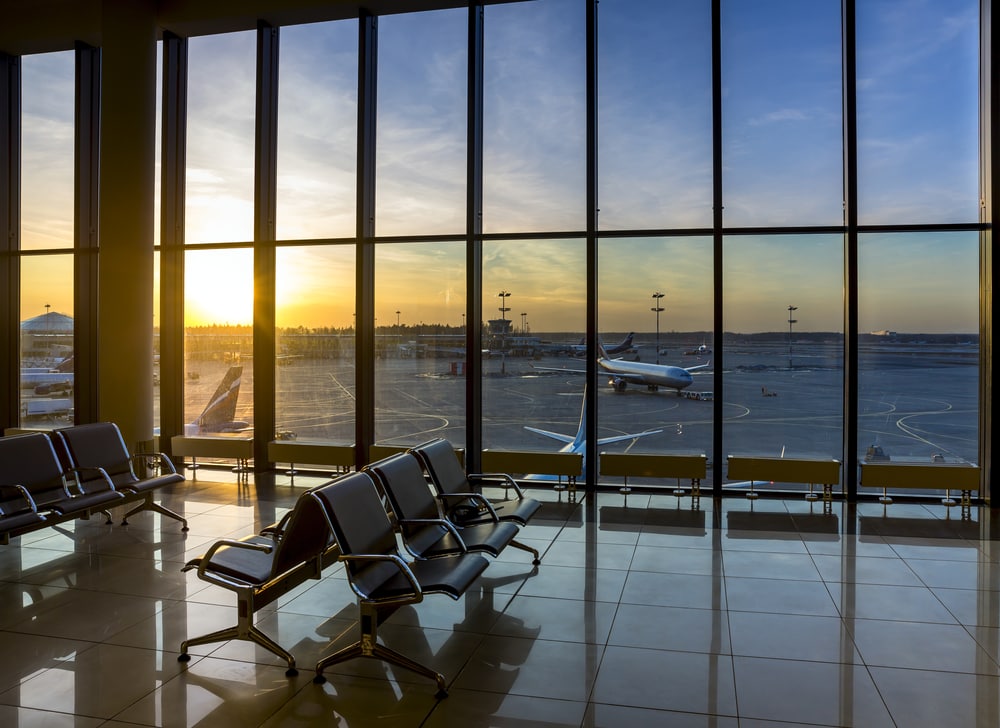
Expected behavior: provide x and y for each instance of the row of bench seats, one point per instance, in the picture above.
(355, 519)
(76, 472)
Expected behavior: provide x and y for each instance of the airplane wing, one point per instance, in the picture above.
(602, 441)
(568, 439)
(560, 370)
(698, 366)
(623, 438)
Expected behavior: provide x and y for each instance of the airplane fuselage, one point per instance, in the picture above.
(622, 372)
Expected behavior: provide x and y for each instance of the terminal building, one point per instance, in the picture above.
(312, 204)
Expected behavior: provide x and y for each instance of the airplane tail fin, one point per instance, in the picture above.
(221, 408)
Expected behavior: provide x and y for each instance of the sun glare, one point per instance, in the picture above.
(218, 287)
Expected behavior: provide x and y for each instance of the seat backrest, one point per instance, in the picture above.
(357, 516)
(305, 537)
(31, 461)
(360, 526)
(98, 445)
(441, 463)
(403, 480)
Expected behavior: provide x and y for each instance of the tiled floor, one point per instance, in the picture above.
(645, 615)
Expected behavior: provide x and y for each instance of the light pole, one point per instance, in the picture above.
(657, 308)
(397, 319)
(790, 322)
(503, 295)
(524, 326)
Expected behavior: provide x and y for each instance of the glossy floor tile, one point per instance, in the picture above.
(644, 612)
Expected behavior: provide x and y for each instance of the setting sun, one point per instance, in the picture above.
(218, 287)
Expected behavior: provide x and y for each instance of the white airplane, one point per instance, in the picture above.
(577, 443)
(621, 373)
(654, 376)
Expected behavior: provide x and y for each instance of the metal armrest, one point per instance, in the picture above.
(23, 492)
(506, 481)
(100, 471)
(277, 530)
(417, 595)
(448, 526)
(221, 580)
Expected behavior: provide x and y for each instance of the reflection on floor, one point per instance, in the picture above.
(650, 614)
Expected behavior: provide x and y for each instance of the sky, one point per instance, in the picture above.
(781, 161)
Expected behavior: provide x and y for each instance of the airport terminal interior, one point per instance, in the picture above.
(711, 278)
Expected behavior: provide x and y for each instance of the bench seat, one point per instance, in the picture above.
(825, 472)
(693, 467)
(963, 477)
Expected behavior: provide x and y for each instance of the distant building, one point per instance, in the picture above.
(46, 339)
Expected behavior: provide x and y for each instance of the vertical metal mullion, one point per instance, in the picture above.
(173, 155)
(265, 208)
(364, 319)
(10, 229)
(717, 249)
(989, 98)
(850, 458)
(474, 245)
(86, 234)
(590, 392)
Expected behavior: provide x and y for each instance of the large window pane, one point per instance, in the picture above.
(918, 357)
(918, 113)
(669, 310)
(783, 310)
(317, 131)
(315, 386)
(218, 342)
(420, 163)
(47, 150)
(419, 343)
(534, 303)
(534, 167)
(782, 130)
(654, 114)
(220, 137)
(46, 341)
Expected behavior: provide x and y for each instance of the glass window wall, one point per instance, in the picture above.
(534, 303)
(220, 138)
(419, 343)
(315, 384)
(46, 346)
(782, 131)
(47, 150)
(218, 341)
(918, 111)
(534, 117)
(918, 351)
(317, 136)
(655, 311)
(654, 114)
(421, 128)
(783, 307)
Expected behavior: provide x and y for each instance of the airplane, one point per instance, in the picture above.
(59, 376)
(621, 373)
(620, 348)
(577, 443)
(654, 376)
(220, 412)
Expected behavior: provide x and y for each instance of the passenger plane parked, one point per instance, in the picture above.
(219, 414)
(654, 376)
(621, 373)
